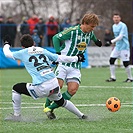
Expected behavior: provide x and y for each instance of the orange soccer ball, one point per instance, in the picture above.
(113, 104)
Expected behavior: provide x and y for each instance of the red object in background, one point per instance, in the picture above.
(52, 26)
(32, 22)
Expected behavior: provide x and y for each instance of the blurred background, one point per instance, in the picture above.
(18, 17)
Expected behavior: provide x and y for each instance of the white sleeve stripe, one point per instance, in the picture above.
(117, 38)
(7, 51)
(67, 59)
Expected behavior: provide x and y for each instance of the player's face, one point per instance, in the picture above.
(86, 28)
(116, 19)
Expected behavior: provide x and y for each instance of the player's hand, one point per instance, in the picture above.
(55, 63)
(7, 40)
(81, 58)
(98, 43)
(109, 42)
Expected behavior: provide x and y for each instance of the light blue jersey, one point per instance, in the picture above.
(121, 29)
(36, 61)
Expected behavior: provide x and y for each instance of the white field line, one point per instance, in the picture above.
(124, 87)
(35, 103)
(78, 105)
(87, 86)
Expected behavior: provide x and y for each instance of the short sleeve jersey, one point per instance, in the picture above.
(74, 41)
(36, 61)
(121, 29)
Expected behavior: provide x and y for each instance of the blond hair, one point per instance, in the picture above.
(90, 18)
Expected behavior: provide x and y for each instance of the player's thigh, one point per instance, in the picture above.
(125, 55)
(73, 80)
(42, 90)
(115, 53)
(73, 73)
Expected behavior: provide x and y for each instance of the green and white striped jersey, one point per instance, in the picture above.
(71, 42)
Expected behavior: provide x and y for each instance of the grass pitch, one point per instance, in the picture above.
(90, 99)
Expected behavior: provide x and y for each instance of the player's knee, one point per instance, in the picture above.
(16, 87)
(126, 63)
(72, 91)
(112, 61)
(20, 88)
(60, 102)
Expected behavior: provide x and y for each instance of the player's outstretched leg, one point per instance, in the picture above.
(72, 108)
(47, 103)
(49, 113)
(48, 109)
(16, 101)
(69, 106)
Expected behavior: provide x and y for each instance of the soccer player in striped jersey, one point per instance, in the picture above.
(72, 41)
(121, 49)
(44, 82)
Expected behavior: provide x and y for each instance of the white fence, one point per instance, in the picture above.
(99, 56)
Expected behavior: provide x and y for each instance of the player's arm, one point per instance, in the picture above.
(6, 47)
(59, 38)
(96, 41)
(56, 43)
(7, 51)
(117, 38)
(64, 58)
(120, 36)
(69, 59)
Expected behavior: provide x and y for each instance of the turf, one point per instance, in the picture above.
(90, 99)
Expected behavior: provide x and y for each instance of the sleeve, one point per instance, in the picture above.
(18, 55)
(14, 55)
(93, 37)
(121, 34)
(123, 30)
(58, 38)
(60, 58)
(117, 38)
(51, 56)
(67, 59)
(7, 51)
(56, 43)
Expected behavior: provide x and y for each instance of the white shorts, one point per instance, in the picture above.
(48, 89)
(123, 54)
(68, 73)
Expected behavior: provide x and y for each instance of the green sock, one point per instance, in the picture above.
(66, 95)
(48, 102)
